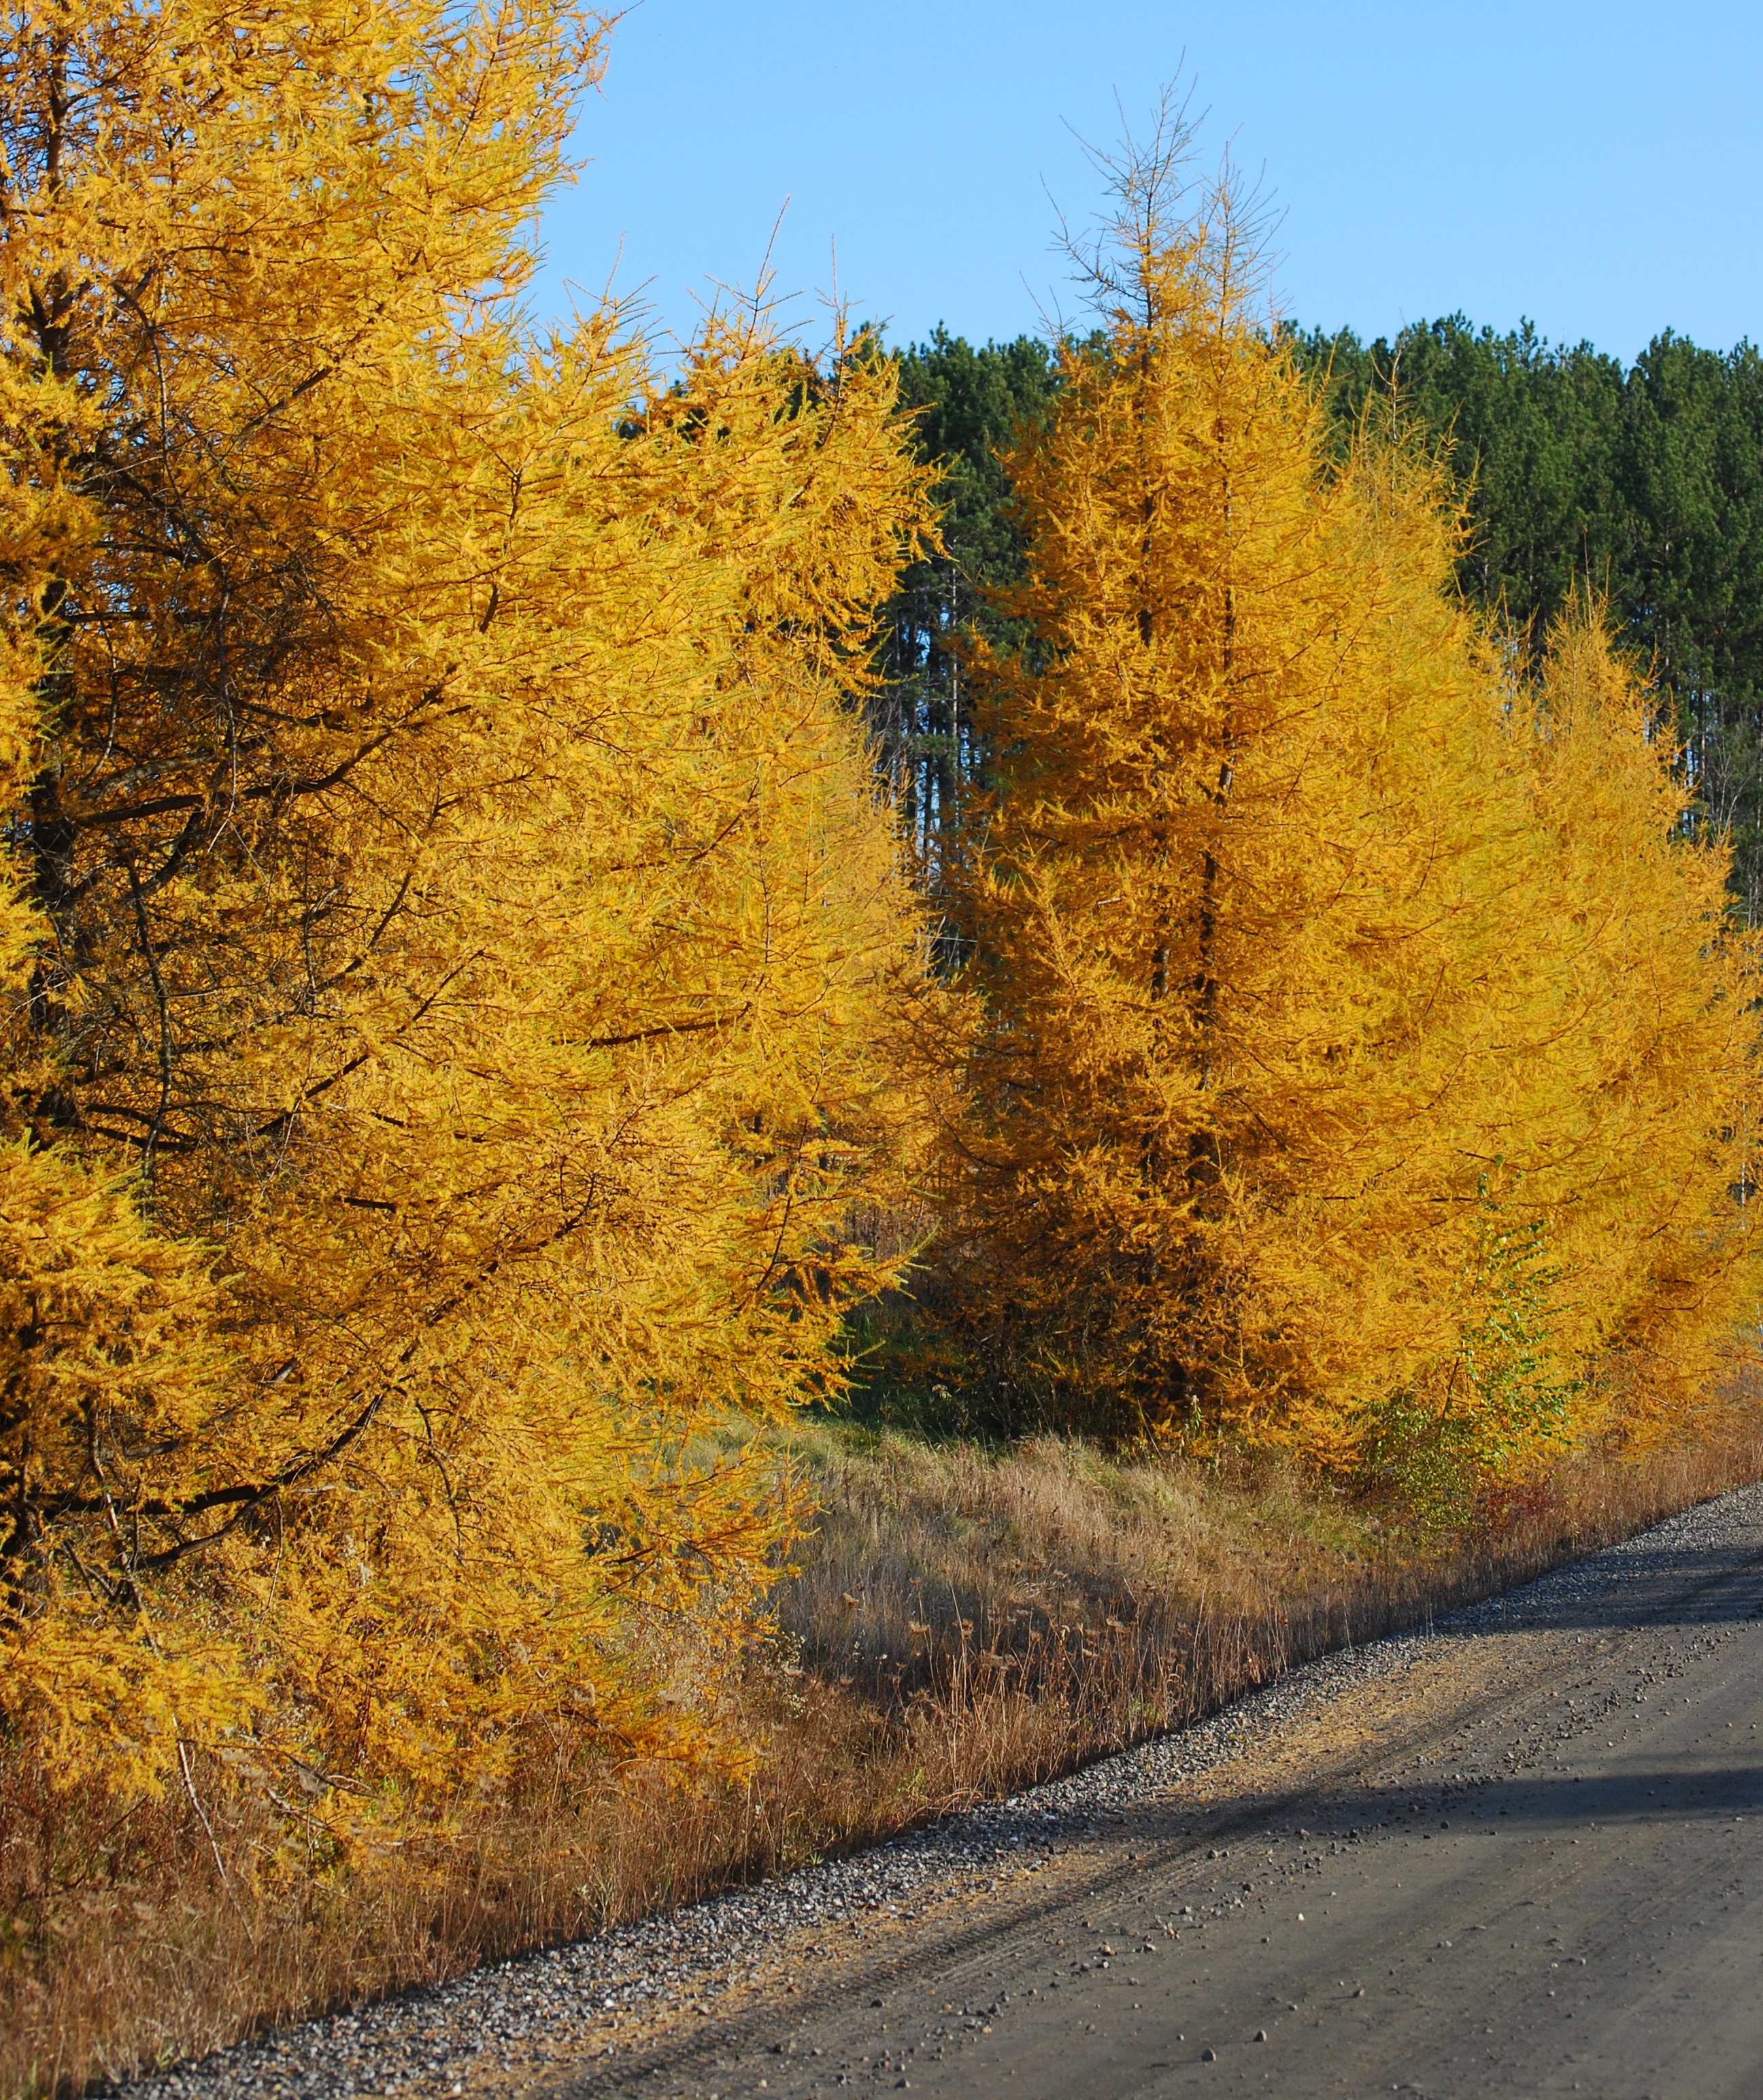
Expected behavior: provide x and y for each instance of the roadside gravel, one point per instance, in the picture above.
(578, 2009)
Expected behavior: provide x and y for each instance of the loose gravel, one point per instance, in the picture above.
(522, 2022)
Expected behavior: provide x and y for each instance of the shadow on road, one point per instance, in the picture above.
(1642, 1794)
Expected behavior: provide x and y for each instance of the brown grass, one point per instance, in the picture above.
(966, 1621)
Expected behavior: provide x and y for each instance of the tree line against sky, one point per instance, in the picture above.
(1642, 484)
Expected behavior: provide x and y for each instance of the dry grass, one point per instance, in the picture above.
(966, 1621)
(1014, 1614)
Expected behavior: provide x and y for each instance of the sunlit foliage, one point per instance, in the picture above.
(465, 915)
(1365, 1053)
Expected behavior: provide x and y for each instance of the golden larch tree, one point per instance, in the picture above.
(1290, 1113)
(466, 909)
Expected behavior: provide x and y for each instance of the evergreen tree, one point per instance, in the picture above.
(1687, 571)
(1527, 431)
(968, 406)
(1643, 486)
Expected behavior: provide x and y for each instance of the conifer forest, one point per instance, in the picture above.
(576, 918)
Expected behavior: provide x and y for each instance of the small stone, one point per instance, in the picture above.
(1209, 2056)
(1261, 2034)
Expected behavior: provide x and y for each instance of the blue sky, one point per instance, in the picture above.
(1595, 168)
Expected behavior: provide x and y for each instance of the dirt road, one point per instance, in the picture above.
(1520, 1853)
(1529, 1860)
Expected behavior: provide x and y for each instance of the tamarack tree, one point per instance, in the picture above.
(456, 906)
(1348, 1001)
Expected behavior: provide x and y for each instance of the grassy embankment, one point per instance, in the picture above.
(969, 1618)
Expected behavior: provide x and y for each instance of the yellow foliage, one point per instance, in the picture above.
(1366, 1053)
(466, 911)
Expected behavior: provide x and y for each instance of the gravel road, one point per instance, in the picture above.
(1520, 1853)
